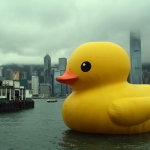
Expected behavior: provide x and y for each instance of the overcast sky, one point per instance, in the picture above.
(29, 29)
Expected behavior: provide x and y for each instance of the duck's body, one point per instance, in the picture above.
(101, 103)
(106, 111)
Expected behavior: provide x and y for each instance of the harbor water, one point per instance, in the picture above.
(42, 128)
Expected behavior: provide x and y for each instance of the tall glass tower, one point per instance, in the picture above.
(56, 84)
(62, 64)
(47, 69)
(62, 68)
(135, 57)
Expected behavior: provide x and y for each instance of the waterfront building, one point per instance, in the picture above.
(1, 71)
(2, 78)
(12, 90)
(47, 69)
(35, 85)
(24, 82)
(62, 63)
(56, 85)
(62, 68)
(8, 74)
(135, 58)
(44, 90)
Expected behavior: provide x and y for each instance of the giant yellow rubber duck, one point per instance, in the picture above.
(102, 101)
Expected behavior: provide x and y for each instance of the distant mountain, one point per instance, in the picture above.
(21, 68)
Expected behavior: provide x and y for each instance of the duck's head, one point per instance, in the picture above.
(95, 64)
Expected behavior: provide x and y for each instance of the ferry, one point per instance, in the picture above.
(52, 100)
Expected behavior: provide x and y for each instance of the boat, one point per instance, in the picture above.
(52, 100)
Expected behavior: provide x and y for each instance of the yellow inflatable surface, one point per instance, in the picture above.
(102, 100)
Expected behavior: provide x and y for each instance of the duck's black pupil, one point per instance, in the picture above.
(85, 66)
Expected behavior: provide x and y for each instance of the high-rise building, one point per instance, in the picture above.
(24, 75)
(56, 85)
(16, 75)
(47, 69)
(62, 63)
(31, 70)
(42, 73)
(44, 90)
(29, 82)
(35, 85)
(135, 57)
(8, 74)
(62, 68)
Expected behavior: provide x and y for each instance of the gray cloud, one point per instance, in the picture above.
(30, 29)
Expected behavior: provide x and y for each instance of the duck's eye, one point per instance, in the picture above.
(85, 66)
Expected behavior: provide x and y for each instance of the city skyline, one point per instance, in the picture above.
(59, 27)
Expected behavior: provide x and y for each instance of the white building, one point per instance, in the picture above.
(11, 90)
(35, 85)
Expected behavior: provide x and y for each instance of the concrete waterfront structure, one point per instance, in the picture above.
(135, 58)
(14, 97)
(47, 69)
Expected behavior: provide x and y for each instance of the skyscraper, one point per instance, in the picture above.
(56, 84)
(47, 69)
(135, 57)
(31, 70)
(62, 64)
(62, 68)
(35, 85)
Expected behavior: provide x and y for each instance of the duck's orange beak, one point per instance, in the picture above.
(67, 78)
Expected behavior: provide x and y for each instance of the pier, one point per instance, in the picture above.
(14, 97)
(10, 106)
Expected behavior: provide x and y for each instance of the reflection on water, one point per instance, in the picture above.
(77, 140)
(42, 128)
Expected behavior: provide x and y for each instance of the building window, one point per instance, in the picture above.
(136, 50)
